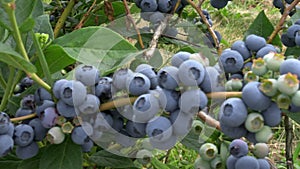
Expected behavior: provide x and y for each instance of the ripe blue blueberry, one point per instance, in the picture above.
(6, 144)
(137, 84)
(148, 5)
(87, 74)
(247, 162)
(254, 42)
(145, 107)
(23, 135)
(231, 61)
(179, 58)
(240, 46)
(26, 152)
(73, 93)
(191, 73)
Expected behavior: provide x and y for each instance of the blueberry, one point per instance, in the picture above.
(103, 122)
(263, 164)
(4, 123)
(231, 61)
(56, 87)
(26, 82)
(240, 46)
(230, 162)
(208, 151)
(148, 71)
(179, 58)
(168, 77)
(73, 93)
(43, 106)
(272, 115)
(261, 150)
(191, 73)
(103, 88)
(234, 132)
(23, 135)
(6, 144)
(218, 3)
(28, 102)
(210, 38)
(238, 148)
(169, 99)
(264, 135)
(247, 162)
(292, 30)
(28, 151)
(48, 117)
(137, 84)
(212, 80)
(119, 78)
(181, 122)
(192, 101)
(65, 110)
(11, 130)
(40, 95)
(55, 135)
(159, 128)
(288, 42)
(288, 84)
(39, 130)
(254, 122)
(164, 6)
(278, 3)
(251, 90)
(216, 162)
(264, 51)
(251, 137)
(254, 42)
(138, 3)
(145, 107)
(233, 112)
(87, 74)
(90, 105)
(87, 145)
(136, 130)
(78, 135)
(118, 123)
(292, 66)
(148, 5)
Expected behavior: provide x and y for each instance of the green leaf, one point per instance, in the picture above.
(224, 153)
(262, 26)
(293, 116)
(4, 21)
(9, 162)
(57, 59)
(158, 164)
(295, 51)
(96, 46)
(12, 58)
(107, 159)
(66, 155)
(42, 25)
(27, 25)
(191, 140)
(24, 10)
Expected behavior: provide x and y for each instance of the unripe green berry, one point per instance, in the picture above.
(254, 122)
(197, 127)
(55, 135)
(250, 77)
(208, 151)
(261, 150)
(296, 98)
(264, 135)
(283, 101)
(228, 86)
(259, 67)
(144, 156)
(269, 87)
(200, 163)
(216, 163)
(273, 61)
(236, 84)
(288, 83)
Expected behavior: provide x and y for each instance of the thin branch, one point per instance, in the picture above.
(220, 95)
(158, 32)
(130, 18)
(211, 31)
(63, 17)
(288, 142)
(209, 120)
(85, 16)
(279, 26)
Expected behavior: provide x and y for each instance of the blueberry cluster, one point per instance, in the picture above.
(219, 4)
(209, 157)
(198, 21)
(163, 6)
(239, 157)
(291, 37)
(25, 83)
(280, 4)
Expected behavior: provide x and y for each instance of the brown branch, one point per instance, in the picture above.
(63, 17)
(209, 28)
(129, 16)
(220, 95)
(209, 120)
(85, 16)
(158, 32)
(279, 26)
(288, 143)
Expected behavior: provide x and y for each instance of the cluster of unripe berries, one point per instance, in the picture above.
(291, 37)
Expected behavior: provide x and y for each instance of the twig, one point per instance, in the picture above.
(288, 142)
(158, 32)
(130, 18)
(209, 28)
(63, 17)
(282, 20)
(220, 95)
(209, 120)
(85, 16)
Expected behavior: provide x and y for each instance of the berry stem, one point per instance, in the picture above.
(279, 26)
(288, 142)
(209, 28)
(117, 103)
(9, 88)
(209, 120)
(85, 16)
(42, 59)
(2, 81)
(16, 119)
(219, 95)
(130, 18)
(63, 18)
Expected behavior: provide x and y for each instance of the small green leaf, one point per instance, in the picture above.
(158, 164)
(262, 26)
(224, 153)
(295, 51)
(107, 159)
(12, 58)
(66, 155)
(24, 10)
(293, 116)
(27, 25)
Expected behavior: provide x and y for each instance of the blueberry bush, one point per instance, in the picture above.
(145, 84)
